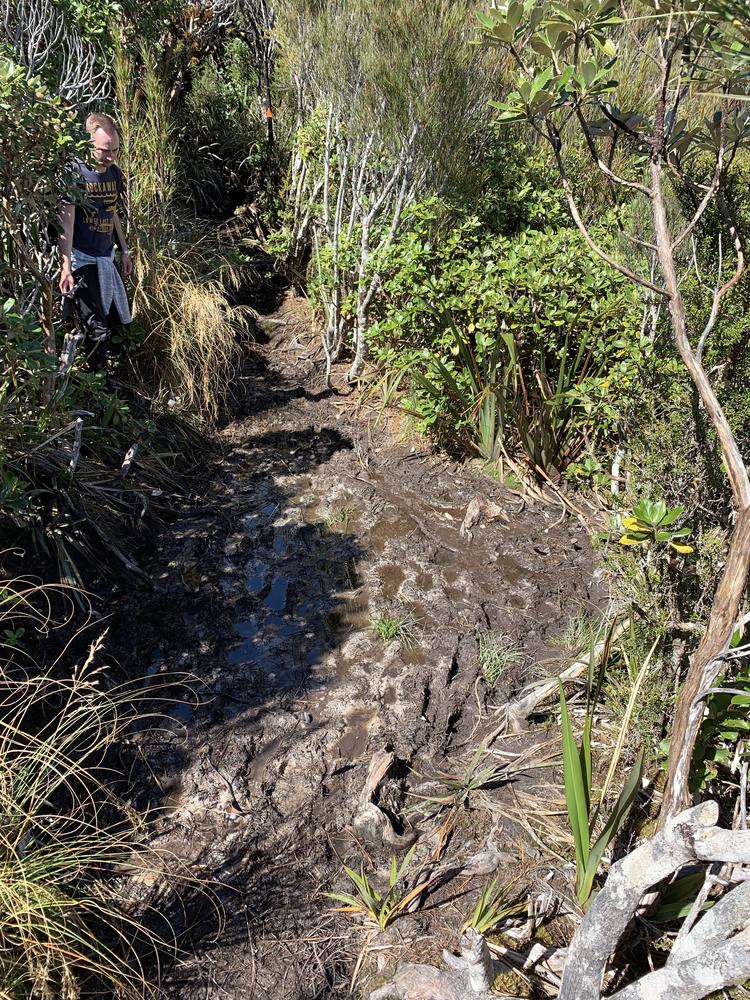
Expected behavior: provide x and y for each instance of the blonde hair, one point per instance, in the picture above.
(99, 120)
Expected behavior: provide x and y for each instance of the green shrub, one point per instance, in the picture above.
(47, 490)
(533, 350)
(223, 145)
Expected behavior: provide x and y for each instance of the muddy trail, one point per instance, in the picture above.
(302, 738)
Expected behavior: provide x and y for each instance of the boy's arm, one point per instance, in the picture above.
(127, 264)
(65, 242)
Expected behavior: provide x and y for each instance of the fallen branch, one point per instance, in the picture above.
(470, 976)
(715, 954)
(129, 459)
(77, 440)
(706, 959)
(725, 964)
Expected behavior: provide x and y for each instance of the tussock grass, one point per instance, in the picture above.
(579, 632)
(497, 652)
(190, 349)
(65, 835)
(340, 518)
(398, 627)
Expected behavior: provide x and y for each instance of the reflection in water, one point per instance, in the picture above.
(256, 575)
(277, 598)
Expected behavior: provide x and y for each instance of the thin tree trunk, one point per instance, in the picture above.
(705, 663)
(269, 108)
(365, 289)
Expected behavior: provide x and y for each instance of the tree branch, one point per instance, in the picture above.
(691, 836)
(728, 285)
(725, 964)
(610, 174)
(554, 140)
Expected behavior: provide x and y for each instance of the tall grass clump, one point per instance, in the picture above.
(189, 350)
(65, 835)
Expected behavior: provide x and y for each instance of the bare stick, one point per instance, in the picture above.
(728, 285)
(129, 459)
(77, 438)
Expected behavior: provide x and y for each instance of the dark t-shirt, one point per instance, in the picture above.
(93, 229)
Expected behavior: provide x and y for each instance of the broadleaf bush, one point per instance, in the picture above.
(522, 345)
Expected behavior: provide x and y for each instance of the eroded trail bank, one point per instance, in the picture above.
(312, 523)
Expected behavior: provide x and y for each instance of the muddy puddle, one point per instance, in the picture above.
(318, 524)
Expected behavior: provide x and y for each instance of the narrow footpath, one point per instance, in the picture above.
(285, 701)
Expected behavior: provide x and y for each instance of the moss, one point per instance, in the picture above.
(647, 828)
(512, 983)
(733, 992)
(543, 935)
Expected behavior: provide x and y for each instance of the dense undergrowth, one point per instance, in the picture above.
(450, 282)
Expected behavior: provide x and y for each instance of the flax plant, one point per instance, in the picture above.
(514, 407)
(577, 770)
(493, 906)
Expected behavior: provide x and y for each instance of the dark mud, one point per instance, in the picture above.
(311, 523)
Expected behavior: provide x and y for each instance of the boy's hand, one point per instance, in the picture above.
(66, 283)
(127, 264)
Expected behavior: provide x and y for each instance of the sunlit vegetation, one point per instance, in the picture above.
(522, 236)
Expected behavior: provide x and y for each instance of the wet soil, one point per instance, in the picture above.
(312, 522)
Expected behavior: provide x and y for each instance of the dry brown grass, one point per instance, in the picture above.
(190, 350)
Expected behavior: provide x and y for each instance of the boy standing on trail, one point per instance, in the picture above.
(93, 292)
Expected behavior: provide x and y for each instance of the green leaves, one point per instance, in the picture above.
(547, 91)
(572, 53)
(612, 827)
(493, 906)
(532, 353)
(568, 55)
(651, 522)
(578, 784)
(379, 908)
(725, 732)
